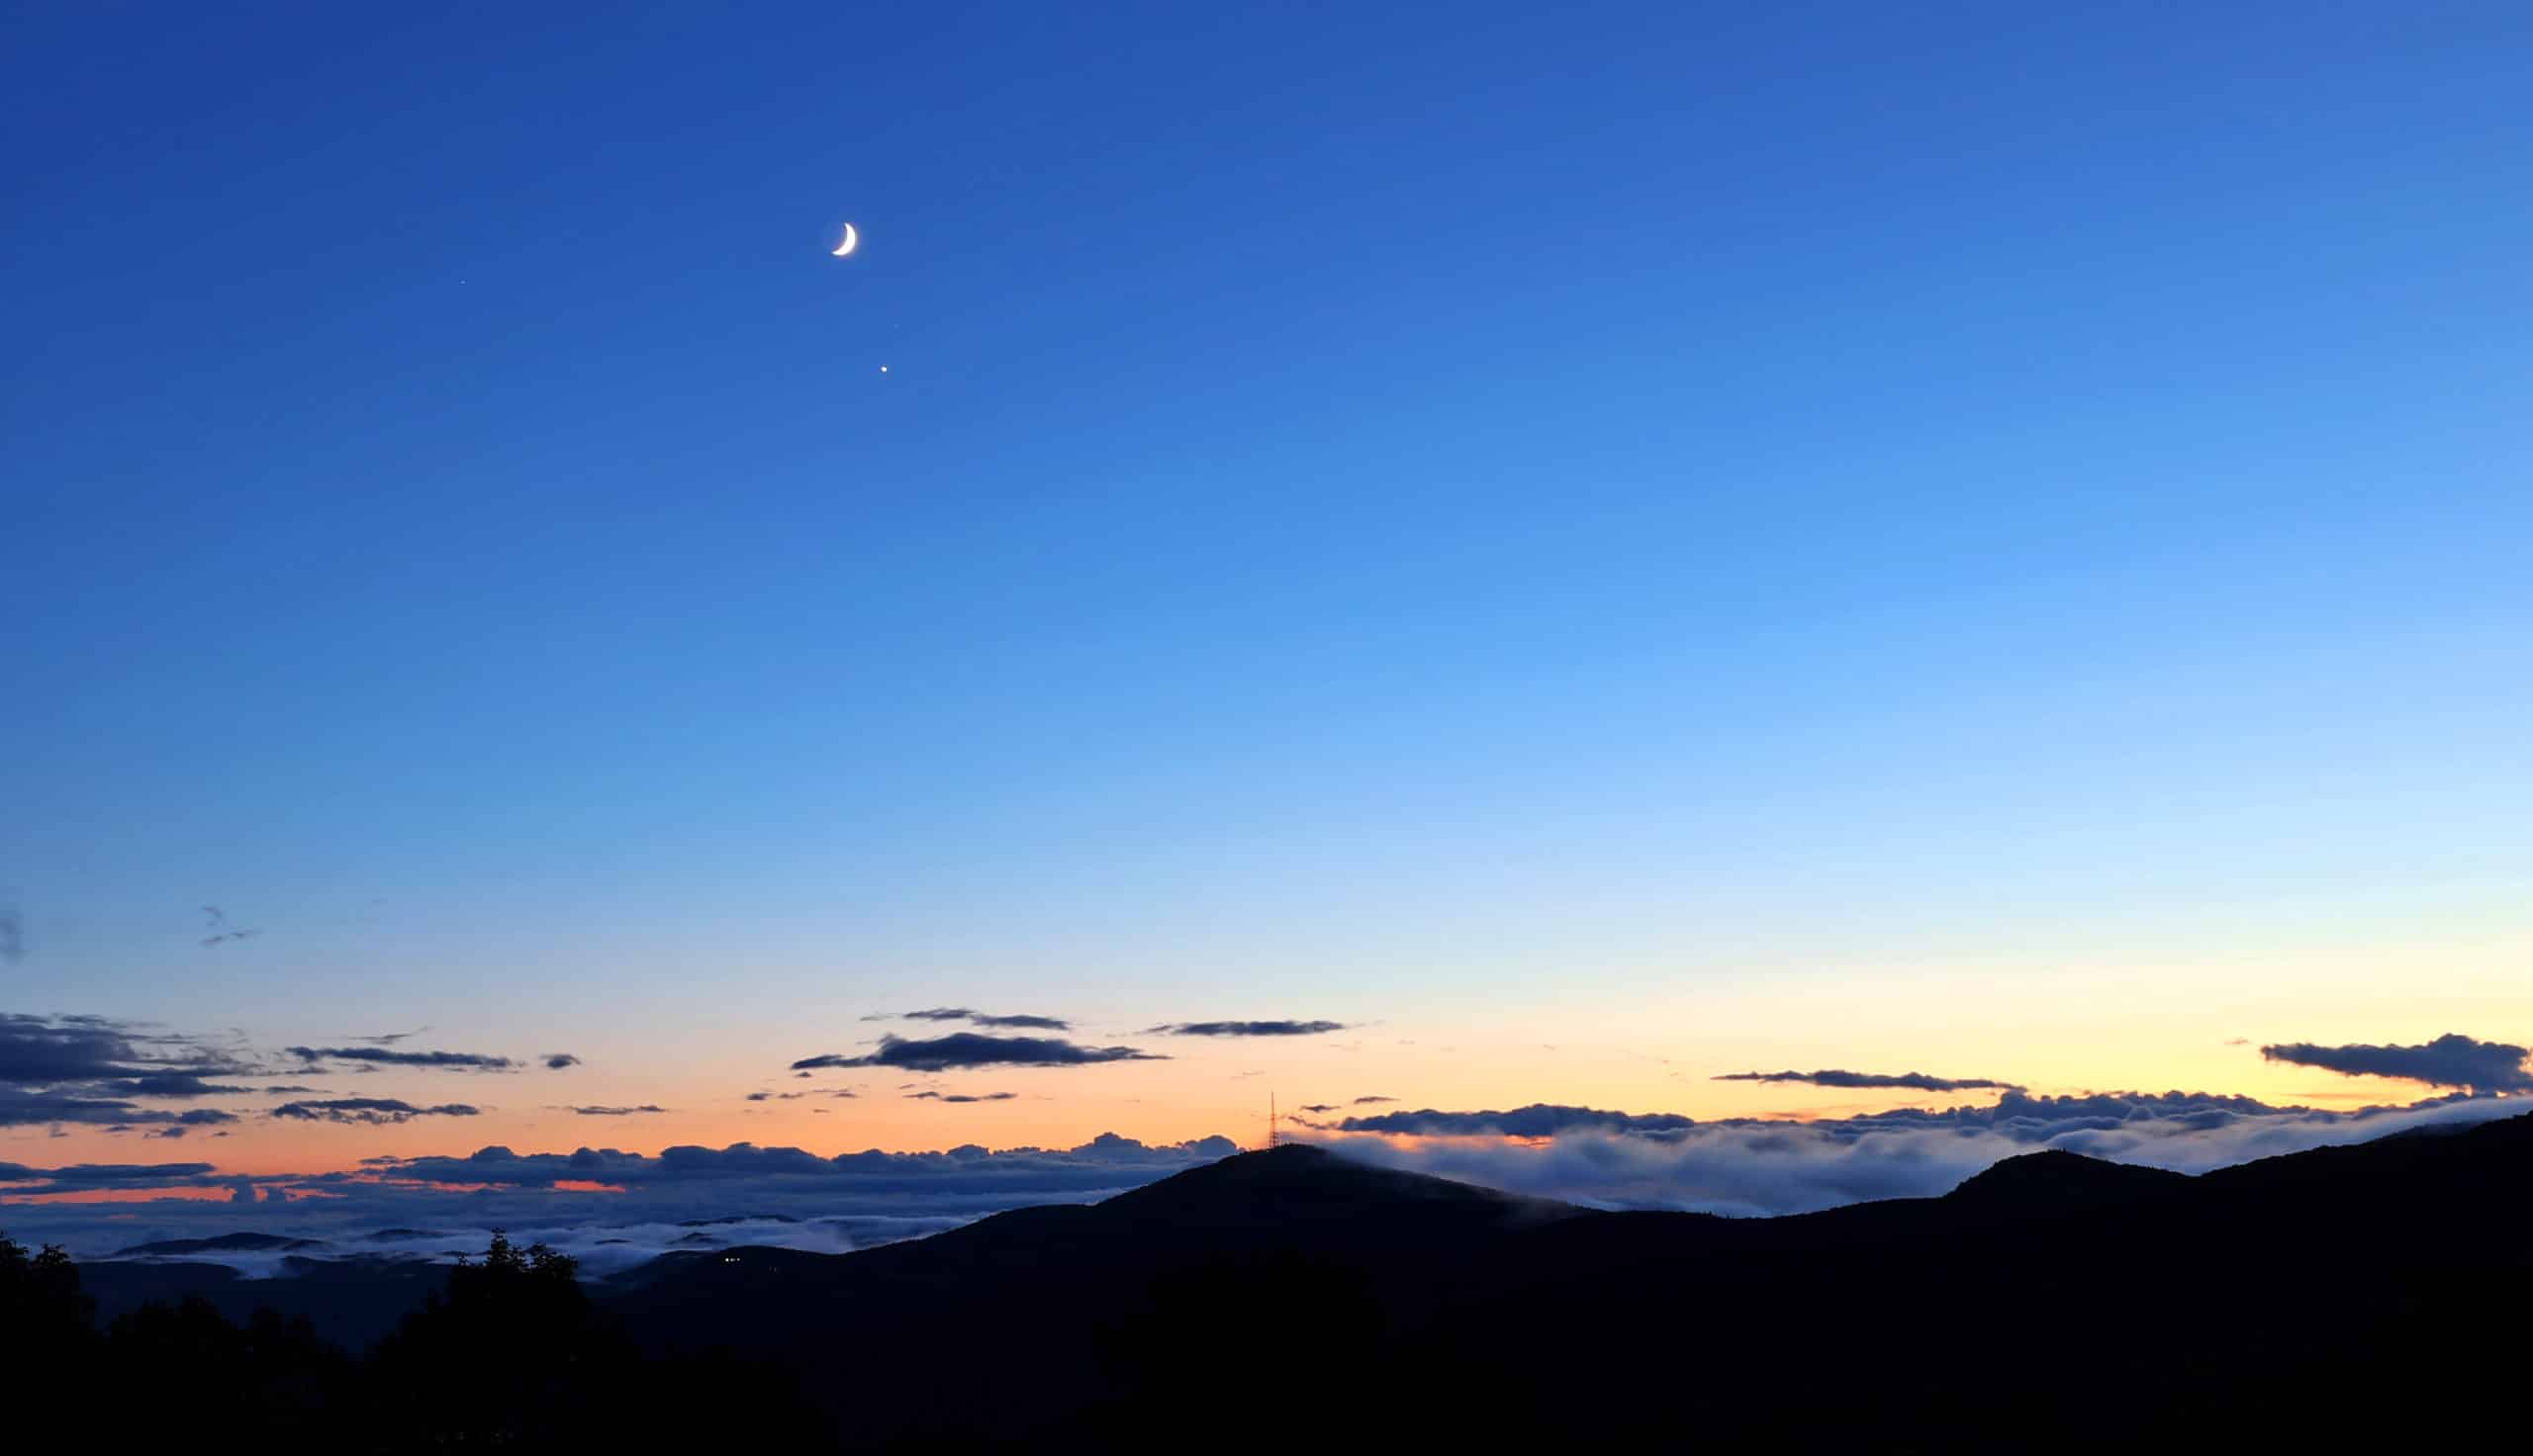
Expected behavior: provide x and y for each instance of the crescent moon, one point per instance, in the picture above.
(852, 240)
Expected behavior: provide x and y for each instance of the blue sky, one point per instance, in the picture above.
(1446, 517)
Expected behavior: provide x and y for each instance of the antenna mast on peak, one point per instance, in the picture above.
(1272, 1137)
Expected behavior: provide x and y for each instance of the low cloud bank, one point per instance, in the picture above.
(575, 1199)
(1752, 1167)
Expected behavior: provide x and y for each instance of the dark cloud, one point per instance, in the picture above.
(972, 1049)
(2451, 1060)
(1317, 1107)
(372, 1110)
(40, 1109)
(764, 1096)
(1370, 1101)
(91, 1177)
(24, 1109)
(1244, 1028)
(390, 1039)
(1539, 1120)
(284, 1089)
(617, 1112)
(200, 1117)
(557, 1061)
(53, 1049)
(979, 1017)
(470, 1061)
(961, 1096)
(1833, 1077)
(89, 1069)
(173, 1084)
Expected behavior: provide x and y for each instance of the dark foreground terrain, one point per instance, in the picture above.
(2355, 1297)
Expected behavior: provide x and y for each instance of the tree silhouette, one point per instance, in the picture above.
(47, 1338)
(512, 1352)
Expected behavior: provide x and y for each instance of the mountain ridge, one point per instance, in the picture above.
(1068, 1324)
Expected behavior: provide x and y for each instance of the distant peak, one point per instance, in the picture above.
(2060, 1179)
(1292, 1152)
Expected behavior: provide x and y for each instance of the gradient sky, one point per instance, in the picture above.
(1597, 547)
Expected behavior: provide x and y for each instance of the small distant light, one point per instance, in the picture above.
(884, 369)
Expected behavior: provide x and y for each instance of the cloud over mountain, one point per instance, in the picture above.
(1760, 1166)
(591, 1197)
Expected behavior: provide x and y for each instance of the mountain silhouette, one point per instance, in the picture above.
(2053, 1301)
(2341, 1298)
(2063, 1182)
